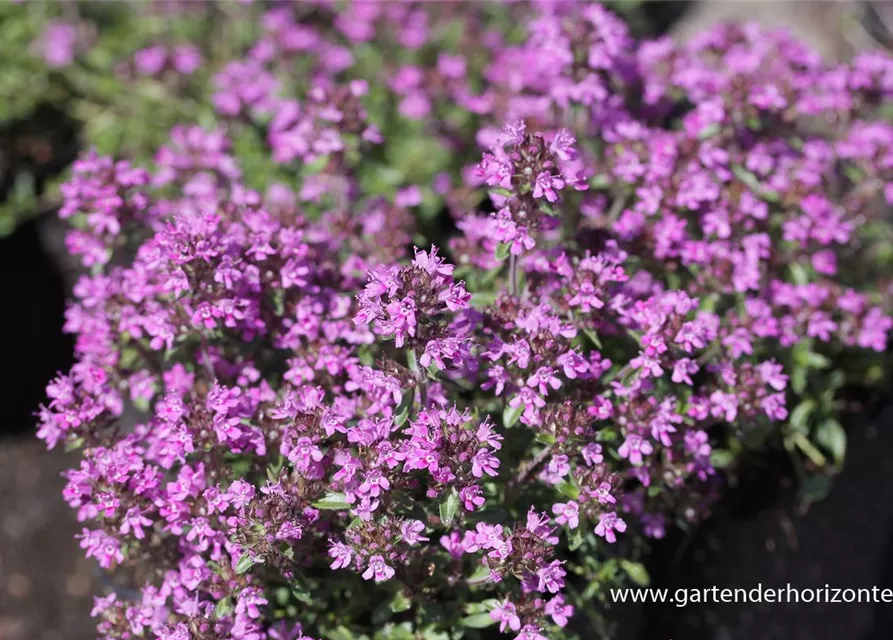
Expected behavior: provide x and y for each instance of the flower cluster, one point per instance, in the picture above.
(315, 393)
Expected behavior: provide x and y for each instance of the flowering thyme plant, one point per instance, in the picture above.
(416, 403)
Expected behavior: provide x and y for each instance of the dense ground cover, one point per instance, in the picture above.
(433, 314)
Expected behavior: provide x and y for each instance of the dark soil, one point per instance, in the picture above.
(46, 585)
(762, 534)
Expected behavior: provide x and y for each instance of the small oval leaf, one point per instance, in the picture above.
(478, 621)
(511, 415)
(449, 507)
(333, 502)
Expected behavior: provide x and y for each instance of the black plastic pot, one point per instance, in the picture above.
(33, 348)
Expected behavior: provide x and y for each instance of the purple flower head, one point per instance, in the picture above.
(150, 61)
(58, 43)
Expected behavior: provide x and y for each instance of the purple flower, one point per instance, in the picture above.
(150, 61)
(97, 544)
(567, 513)
(634, 447)
(531, 632)
(341, 554)
(412, 530)
(454, 544)
(683, 369)
(59, 42)
(471, 497)
(379, 569)
(134, 521)
(547, 185)
(484, 462)
(772, 374)
(408, 197)
(563, 145)
(592, 454)
(551, 578)
(608, 523)
(506, 615)
(558, 610)
(186, 59)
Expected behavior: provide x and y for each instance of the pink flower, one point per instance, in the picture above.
(59, 41)
(558, 610)
(341, 554)
(412, 530)
(551, 578)
(567, 513)
(608, 523)
(634, 447)
(547, 185)
(484, 462)
(506, 615)
(379, 569)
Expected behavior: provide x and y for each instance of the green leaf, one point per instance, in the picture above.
(224, 608)
(245, 563)
(817, 360)
(481, 574)
(798, 380)
(576, 539)
(721, 458)
(800, 415)
(332, 502)
(593, 337)
(449, 507)
(491, 275)
(799, 274)
(482, 299)
(511, 415)
(478, 621)
(815, 488)
(503, 250)
(600, 181)
(746, 177)
(406, 401)
(301, 593)
(636, 571)
(709, 131)
(545, 438)
(341, 633)
(568, 490)
(316, 166)
(401, 417)
(809, 449)
(832, 437)
(400, 602)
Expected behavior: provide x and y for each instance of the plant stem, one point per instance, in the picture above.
(513, 275)
(420, 376)
(512, 491)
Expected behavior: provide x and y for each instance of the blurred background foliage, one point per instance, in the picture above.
(50, 112)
